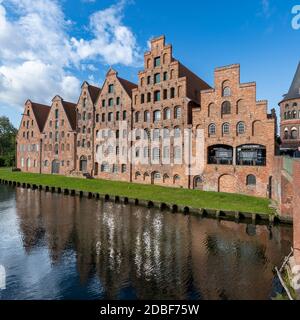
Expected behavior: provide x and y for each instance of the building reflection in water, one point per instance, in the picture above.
(142, 253)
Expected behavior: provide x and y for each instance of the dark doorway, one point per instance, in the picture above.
(83, 164)
(55, 167)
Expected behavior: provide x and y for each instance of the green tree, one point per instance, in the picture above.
(7, 142)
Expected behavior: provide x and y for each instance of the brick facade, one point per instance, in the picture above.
(239, 136)
(85, 129)
(169, 103)
(29, 138)
(59, 138)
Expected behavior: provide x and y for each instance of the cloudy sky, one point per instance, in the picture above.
(49, 47)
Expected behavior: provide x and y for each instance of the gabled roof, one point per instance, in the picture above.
(70, 110)
(127, 85)
(41, 112)
(185, 72)
(294, 92)
(94, 92)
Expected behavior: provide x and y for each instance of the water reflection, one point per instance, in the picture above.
(65, 247)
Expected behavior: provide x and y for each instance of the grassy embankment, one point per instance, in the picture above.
(183, 197)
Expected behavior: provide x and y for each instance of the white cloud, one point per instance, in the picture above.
(39, 58)
(113, 42)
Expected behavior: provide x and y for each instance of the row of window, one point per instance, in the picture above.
(46, 163)
(291, 134)
(29, 147)
(157, 176)
(105, 167)
(110, 116)
(156, 133)
(240, 128)
(27, 134)
(110, 102)
(291, 115)
(27, 124)
(156, 153)
(85, 116)
(56, 123)
(294, 104)
(28, 163)
(156, 78)
(48, 147)
(158, 95)
(56, 135)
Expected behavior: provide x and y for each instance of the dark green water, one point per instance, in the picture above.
(59, 247)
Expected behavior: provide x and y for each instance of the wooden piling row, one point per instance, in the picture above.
(162, 206)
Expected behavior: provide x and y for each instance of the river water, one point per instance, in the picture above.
(61, 247)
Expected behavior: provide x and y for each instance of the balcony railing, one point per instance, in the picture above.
(220, 161)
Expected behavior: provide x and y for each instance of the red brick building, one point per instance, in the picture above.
(290, 117)
(85, 129)
(162, 108)
(239, 137)
(29, 138)
(112, 128)
(139, 133)
(59, 138)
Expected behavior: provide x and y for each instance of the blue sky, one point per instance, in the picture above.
(49, 47)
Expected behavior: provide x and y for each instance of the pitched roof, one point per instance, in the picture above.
(94, 92)
(127, 85)
(294, 92)
(185, 72)
(41, 112)
(70, 109)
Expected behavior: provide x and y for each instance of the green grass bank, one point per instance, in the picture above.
(182, 197)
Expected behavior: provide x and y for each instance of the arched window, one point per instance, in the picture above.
(225, 128)
(157, 176)
(177, 112)
(226, 92)
(241, 128)
(110, 102)
(251, 180)
(142, 98)
(137, 116)
(286, 133)
(212, 129)
(167, 114)
(118, 101)
(156, 116)
(146, 152)
(294, 114)
(157, 78)
(197, 182)
(176, 179)
(166, 133)
(149, 97)
(157, 96)
(137, 175)
(84, 129)
(56, 149)
(110, 117)
(124, 115)
(226, 107)
(156, 134)
(147, 116)
(294, 134)
(97, 118)
(177, 132)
